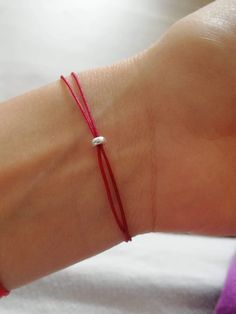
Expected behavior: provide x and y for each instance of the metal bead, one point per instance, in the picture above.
(99, 140)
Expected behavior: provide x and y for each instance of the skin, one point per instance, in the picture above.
(191, 76)
(168, 115)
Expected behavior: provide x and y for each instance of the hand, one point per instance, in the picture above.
(189, 80)
(169, 116)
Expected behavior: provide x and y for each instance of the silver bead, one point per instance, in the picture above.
(98, 140)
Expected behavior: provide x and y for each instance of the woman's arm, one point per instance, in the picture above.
(169, 117)
(190, 77)
(54, 210)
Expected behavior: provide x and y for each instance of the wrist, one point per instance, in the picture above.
(195, 118)
(116, 97)
(58, 212)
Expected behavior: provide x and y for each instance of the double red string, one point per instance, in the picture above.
(102, 157)
(101, 154)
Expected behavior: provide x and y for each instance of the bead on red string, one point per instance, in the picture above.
(103, 161)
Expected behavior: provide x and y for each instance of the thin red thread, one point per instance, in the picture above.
(3, 291)
(101, 154)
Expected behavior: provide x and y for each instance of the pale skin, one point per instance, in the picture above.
(169, 117)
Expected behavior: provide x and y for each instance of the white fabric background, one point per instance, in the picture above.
(155, 273)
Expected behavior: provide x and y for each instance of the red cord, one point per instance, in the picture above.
(101, 154)
(3, 291)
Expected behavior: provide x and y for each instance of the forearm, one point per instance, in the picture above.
(54, 209)
(169, 119)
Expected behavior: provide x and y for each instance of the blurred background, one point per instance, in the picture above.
(156, 273)
(42, 39)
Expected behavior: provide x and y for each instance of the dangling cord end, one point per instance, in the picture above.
(3, 291)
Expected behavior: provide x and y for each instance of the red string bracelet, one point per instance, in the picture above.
(3, 291)
(97, 141)
(103, 161)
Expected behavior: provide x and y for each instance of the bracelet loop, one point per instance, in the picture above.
(107, 174)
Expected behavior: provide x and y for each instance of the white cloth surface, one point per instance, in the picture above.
(155, 273)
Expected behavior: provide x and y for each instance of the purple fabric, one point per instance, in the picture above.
(227, 300)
